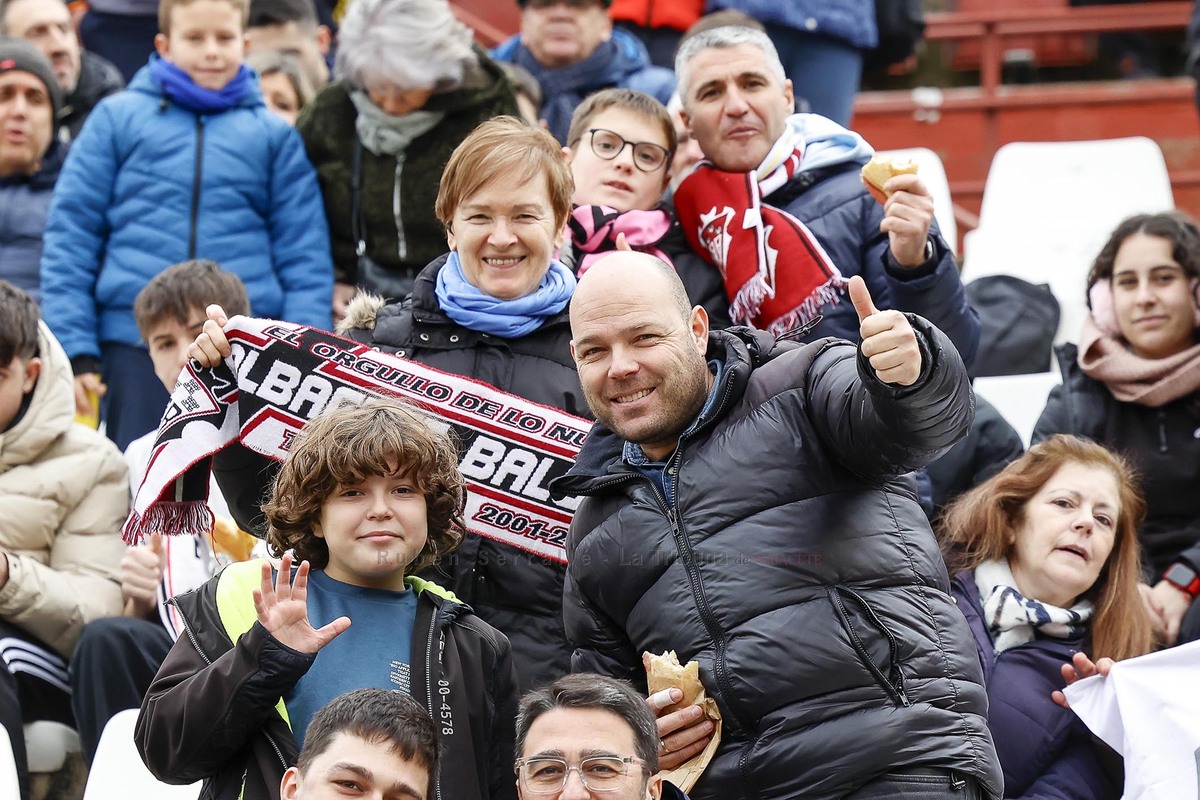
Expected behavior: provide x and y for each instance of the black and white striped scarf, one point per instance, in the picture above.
(1013, 619)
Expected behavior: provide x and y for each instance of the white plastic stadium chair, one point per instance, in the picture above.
(1020, 399)
(1059, 256)
(1089, 184)
(118, 772)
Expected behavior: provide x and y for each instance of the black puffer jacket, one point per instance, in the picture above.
(517, 593)
(1162, 443)
(796, 566)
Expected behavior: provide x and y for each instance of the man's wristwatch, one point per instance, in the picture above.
(1183, 578)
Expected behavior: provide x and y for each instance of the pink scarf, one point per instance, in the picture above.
(1152, 382)
(594, 232)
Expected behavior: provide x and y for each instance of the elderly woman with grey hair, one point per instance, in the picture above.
(410, 85)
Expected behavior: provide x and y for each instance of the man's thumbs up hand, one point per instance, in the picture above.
(888, 340)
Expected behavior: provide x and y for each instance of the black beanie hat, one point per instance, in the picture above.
(18, 55)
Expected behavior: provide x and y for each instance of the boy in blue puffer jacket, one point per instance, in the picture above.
(188, 163)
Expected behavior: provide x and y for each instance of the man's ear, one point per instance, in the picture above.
(289, 787)
(33, 368)
(324, 39)
(573, 358)
(698, 321)
(654, 787)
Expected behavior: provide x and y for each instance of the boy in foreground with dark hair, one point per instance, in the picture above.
(117, 657)
(367, 495)
(63, 498)
(369, 742)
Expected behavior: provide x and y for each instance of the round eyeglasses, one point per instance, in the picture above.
(549, 775)
(647, 156)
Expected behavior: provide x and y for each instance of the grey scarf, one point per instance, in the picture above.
(385, 135)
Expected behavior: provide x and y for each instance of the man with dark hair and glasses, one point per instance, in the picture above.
(620, 147)
(588, 737)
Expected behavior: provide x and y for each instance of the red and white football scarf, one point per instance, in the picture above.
(777, 275)
(281, 375)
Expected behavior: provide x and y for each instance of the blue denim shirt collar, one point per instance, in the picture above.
(633, 454)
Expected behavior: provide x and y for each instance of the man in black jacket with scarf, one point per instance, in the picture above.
(747, 503)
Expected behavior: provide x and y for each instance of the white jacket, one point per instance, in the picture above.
(63, 498)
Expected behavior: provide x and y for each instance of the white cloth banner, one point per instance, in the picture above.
(1148, 710)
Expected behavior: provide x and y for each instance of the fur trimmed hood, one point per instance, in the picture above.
(361, 313)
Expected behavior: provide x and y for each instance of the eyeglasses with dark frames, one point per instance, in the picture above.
(647, 156)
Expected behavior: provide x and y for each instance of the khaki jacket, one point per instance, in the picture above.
(64, 494)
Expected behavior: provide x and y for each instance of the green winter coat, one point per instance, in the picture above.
(327, 127)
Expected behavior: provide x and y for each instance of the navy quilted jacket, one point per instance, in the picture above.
(1046, 752)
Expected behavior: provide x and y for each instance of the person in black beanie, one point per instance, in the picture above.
(18, 55)
(30, 159)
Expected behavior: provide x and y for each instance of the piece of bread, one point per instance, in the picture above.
(231, 541)
(877, 172)
(665, 671)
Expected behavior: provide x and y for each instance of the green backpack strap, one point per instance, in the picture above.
(235, 606)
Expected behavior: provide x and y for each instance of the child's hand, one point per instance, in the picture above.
(283, 609)
(211, 347)
(87, 384)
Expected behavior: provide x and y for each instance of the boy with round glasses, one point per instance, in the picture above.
(620, 147)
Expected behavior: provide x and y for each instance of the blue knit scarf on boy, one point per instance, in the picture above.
(180, 88)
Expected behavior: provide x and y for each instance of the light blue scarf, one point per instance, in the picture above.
(467, 305)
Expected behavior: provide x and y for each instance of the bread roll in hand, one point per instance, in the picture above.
(880, 169)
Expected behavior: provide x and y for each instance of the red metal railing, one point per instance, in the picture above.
(966, 126)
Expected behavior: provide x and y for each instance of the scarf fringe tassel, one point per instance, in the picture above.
(748, 304)
(170, 518)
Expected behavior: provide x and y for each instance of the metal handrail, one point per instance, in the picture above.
(993, 25)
